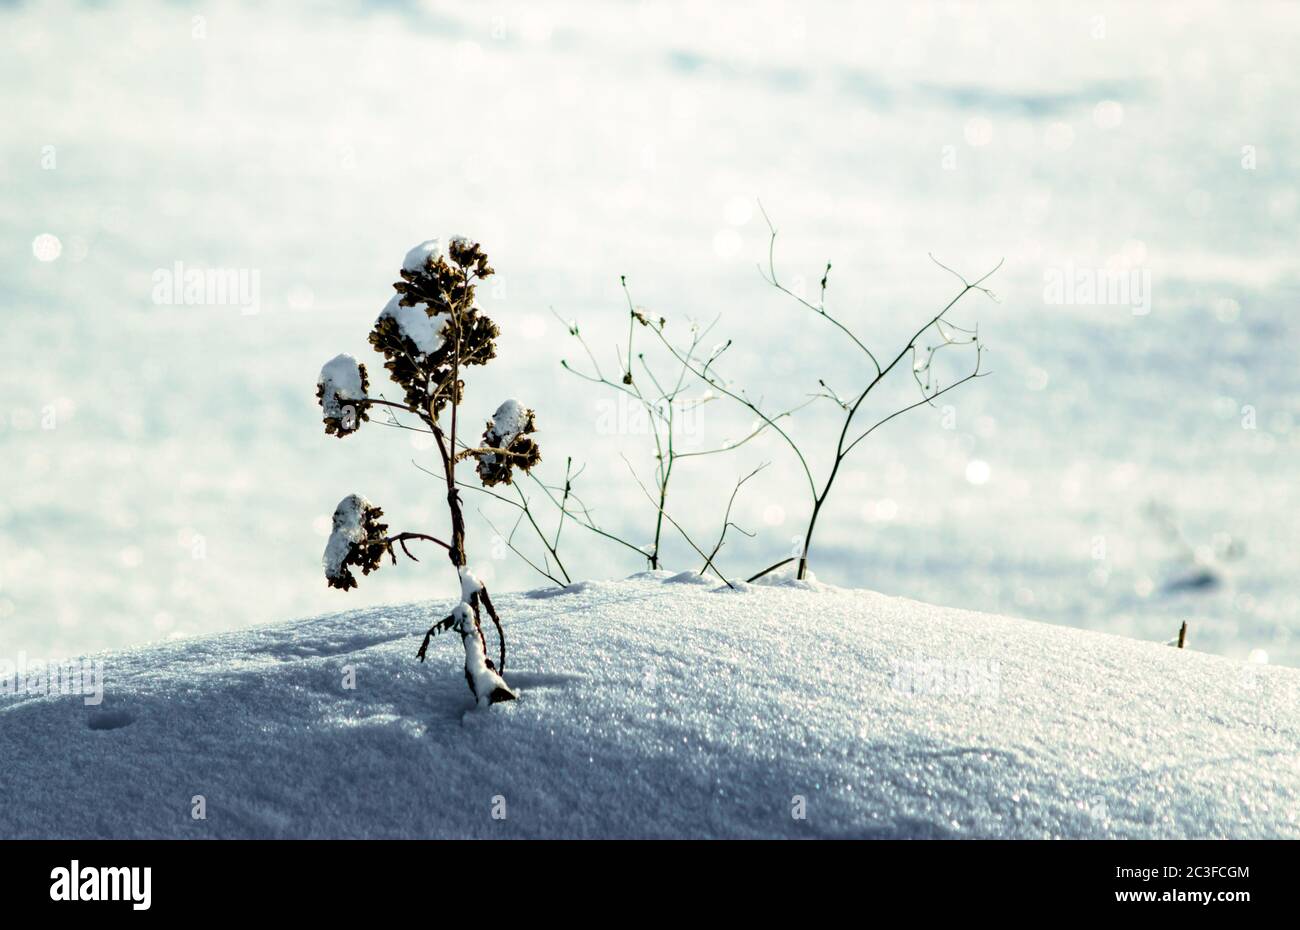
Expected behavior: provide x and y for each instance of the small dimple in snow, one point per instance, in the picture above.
(544, 593)
(109, 720)
(288, 652)
(542, 679)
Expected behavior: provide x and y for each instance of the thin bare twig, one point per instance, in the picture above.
(770, 569)
(726, 518)
(771, 279)
(708, 560)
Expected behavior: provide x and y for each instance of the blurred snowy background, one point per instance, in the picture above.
(164, 468)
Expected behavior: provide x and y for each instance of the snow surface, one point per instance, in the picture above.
(341, 379)
(665, 706)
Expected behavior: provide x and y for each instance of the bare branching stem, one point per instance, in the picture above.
(726, 518)
(509, 541)
(947, 334)
(820, 308)
(660, 397)
(401, 539)
(769, 569)
(660, 407)
(708, 559)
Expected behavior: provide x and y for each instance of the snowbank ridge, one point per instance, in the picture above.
(665, 706)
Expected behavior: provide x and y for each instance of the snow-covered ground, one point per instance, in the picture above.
(163, 463)
(665, 706)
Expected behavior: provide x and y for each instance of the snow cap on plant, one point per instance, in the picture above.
(421, 334)
(507, 431)
(358, 538)
(432, 315)
(487, 686)
(341, 393)
(419, 255)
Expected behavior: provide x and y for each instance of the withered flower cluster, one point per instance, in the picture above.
(518, 449)
(358, 539)
(342, 415)
(444, 288)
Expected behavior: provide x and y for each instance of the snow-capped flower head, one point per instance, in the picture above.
(417, 327)
(431, 327)
(358, 538)
(341, 393)
(417, 259)
(507, 436)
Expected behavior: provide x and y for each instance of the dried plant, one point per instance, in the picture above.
(942, 334)
(662, 398)
(429, 333)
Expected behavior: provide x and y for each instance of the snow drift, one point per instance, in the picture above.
(664, 706)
